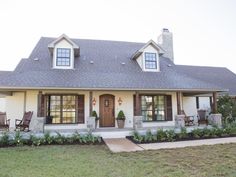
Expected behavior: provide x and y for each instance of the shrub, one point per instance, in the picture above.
(35, 141)
(4, 141)
(148, 136)
(94, 114)
(18, 140)
(197, 133)
(207, 133)
(59, 139)
(48, 138)
(170, 135)
(76, 137)
(161, 135)
(121, 115)
(183, 133)
(137, 137)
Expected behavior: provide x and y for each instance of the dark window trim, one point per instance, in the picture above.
(63, 57)
(61, 94)
(153, 110)
(151, 61)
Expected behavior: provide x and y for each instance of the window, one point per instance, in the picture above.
(153, 107)
(150, 61)
(63, 57)
(62, 108)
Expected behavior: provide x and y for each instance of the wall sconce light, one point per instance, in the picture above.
(94, 101)
(120, 101)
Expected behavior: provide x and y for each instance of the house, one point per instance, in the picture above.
(69, 78)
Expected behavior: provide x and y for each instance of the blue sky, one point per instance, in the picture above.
(204, 30)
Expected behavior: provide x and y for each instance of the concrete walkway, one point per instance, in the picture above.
(125, 145)
(182, 144)
(121, 145)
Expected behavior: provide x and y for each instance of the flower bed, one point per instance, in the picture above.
(170, 135)
(18, 140)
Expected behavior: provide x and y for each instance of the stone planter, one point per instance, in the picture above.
(215, 119)
(179, 121)
(91, 123)
(138, 122)
(120, 123)
(37, 124)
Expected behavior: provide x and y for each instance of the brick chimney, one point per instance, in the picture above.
(165, 40)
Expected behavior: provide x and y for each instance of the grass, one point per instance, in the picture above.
(98, 161)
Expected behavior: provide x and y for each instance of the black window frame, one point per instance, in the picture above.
(63, 57)
(149, 61)
(154, 118)
(48, 110)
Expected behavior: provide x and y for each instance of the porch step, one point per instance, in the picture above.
(113, 134)
(121, 145)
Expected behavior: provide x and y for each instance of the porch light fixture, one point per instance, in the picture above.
(94, 101)
(120, 101)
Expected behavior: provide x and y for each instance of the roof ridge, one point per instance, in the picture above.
(102, 40)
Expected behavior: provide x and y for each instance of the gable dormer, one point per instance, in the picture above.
(63, 51)
(148, 56)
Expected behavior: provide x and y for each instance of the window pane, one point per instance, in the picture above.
(146, 106)
(150, 61)
(62, 108)
(153, 108)
(159, 107)
(63, 57)
(68, 109)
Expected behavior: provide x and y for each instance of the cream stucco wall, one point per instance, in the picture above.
(63, 44)
(189, 105)
(141, 58)
(2, 104)
(15, 106)
(204, 103)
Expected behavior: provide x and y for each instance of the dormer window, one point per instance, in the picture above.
(63, 57)
(64, 52)
(148, 57)
(150, 60)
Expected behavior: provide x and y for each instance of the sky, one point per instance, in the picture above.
(204, 31)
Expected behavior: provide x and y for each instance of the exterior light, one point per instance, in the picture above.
(120, 101)
(94, 101)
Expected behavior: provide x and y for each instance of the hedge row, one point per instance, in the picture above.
(170, 135)
(47, 139)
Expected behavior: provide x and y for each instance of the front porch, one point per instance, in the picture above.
(71, 110)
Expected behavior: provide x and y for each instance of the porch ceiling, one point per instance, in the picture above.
(195, 93)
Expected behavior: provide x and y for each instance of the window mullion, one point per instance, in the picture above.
(153, 109)
(61, 109)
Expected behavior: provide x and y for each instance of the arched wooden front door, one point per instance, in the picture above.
(107, 110)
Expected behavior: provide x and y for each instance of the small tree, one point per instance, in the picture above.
(94, 114)
(121, 115)
(227, 107)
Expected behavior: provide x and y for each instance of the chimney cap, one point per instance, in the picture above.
(165, 30)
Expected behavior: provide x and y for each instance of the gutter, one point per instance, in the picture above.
(108, 89)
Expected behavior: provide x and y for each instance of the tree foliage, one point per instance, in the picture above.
(227, 107)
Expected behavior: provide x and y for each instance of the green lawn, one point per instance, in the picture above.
(97, 160)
